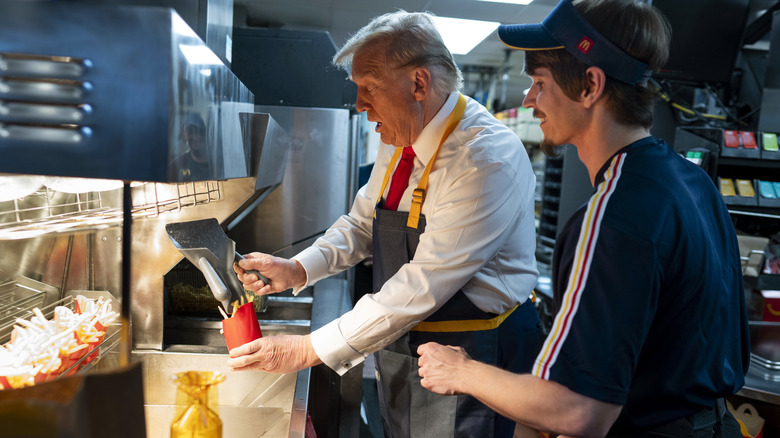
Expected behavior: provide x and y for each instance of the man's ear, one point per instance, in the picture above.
(421, 83)
(594, 88)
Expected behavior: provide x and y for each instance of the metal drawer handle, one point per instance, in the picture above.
(38, 112)
(48, 134)
(42, 89)
(46, 66)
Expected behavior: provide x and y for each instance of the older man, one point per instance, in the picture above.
(651, 328)
(451, 234)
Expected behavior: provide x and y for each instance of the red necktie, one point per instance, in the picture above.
(400, 179)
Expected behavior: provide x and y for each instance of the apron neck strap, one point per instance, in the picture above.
(418, 196)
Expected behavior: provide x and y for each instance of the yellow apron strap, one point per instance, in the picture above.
(468, 325)
(390, 166)
(418, 196)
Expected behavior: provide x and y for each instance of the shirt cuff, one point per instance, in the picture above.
(314, 264)
(333, 350)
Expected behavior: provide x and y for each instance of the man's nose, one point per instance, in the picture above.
(361, 104)
(530, 99)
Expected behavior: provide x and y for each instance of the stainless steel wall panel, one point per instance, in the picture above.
(316, 188)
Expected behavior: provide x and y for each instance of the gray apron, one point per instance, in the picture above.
(508, 341)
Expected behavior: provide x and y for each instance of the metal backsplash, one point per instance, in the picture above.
(73, 241)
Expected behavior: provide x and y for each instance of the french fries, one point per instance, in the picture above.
(41, 349)
(243, 299)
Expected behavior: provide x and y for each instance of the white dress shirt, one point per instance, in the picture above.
(479, 237)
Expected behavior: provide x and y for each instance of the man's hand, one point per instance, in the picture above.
(442, 368)
(275, 354)
(282, 273)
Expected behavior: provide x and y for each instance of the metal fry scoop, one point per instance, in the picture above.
(205, 245)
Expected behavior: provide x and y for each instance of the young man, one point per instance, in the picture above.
(651, 329)
(452, 240)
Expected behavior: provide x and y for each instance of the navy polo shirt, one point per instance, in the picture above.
(648, 291)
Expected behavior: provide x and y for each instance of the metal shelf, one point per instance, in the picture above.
(748, 162)
(765, 212)
(762, 381)
(761, 384)
(763, 282)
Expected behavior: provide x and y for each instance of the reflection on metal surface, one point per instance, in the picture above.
(214, 100)
(316, 187)
(237, 421)
(266, 135)
(766, 363)
(250, 403)
(199, 55)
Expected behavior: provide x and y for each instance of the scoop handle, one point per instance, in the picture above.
(259, 275)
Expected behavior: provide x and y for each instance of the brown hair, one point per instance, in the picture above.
(636, 27)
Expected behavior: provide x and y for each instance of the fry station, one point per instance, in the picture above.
(125, 170)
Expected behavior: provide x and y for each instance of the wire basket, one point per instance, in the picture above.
(89, 356)
(17, 299)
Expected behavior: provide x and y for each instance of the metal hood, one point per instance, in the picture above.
(105, 91)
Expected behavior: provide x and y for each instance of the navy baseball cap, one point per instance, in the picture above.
(566, 29)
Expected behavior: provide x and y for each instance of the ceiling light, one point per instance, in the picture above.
(460, 35)
(514, 2)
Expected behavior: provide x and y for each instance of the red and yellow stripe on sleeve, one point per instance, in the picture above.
(578, 277)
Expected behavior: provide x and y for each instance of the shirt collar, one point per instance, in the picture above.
(428, 140)
(635, 145)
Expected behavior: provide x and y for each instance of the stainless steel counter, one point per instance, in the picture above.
(762, 383)
(254, 403)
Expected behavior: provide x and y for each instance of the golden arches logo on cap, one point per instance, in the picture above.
(585, 45)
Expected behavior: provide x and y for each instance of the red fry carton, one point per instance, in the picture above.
(771, 305)
(242, 327)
